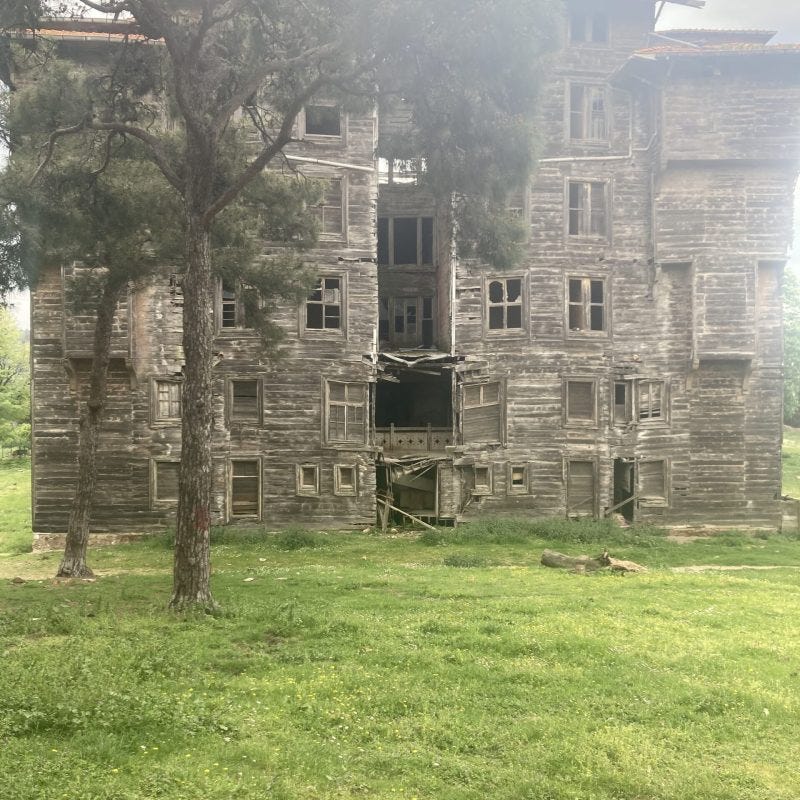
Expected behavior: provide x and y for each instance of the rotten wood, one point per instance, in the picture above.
(556, 560)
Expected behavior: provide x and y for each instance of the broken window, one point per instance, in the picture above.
(622, 402)
(400, 171)
(581, 488)
(245, 488)
(344, 480)
(587, 113)
(165, 481)
(308, 479)
(245, 401)
(482, 419)
(587, 209)
(330, 210)
(580, 401)
(517, 479)
(168, 400)
(324, 306)
(323, 120)
(346, 412)
(482, 480)
(651, 401)
(504, 302)
(586, 304)
(592, 28)
(405, 240)
(653, 482)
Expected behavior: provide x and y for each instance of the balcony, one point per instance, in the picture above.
(413, 440)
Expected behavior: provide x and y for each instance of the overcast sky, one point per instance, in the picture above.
(772, 15)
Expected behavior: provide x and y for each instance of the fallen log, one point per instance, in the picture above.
(551, 558)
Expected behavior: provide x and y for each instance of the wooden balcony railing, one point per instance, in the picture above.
(413, 440)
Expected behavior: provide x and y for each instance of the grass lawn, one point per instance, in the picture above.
(444, 666)
(15, 505)
(791, 461)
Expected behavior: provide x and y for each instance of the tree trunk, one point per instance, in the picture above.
(192, 563)
(73, 564)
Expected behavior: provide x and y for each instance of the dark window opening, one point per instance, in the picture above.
(624, 487)
(229, 306)
(244, 401)
(323, 121)
(324, 305)
(622, 402)
(406, 322)
(588, 28)
(505, 304)
(405, 241)
(415, 401)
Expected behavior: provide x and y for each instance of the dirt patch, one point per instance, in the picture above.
(721, 568)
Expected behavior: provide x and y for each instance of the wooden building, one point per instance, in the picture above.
(632, 363)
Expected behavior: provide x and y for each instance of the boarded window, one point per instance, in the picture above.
(586, 304)
(653, 480)
(483, 480)
(330, 211)
(245, 494)
(587, 113)
(504, 304)
(587, 212)
(165, 481)
(344, 480)
(580, 400)
(405, 240)
(168, 400)
(324, 307)
(323, 121)
(652, 401)
(581, 500)
(308, 479)
(482, 419)
(245, 401)
(346, 412)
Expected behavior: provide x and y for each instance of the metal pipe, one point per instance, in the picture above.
(323, 163)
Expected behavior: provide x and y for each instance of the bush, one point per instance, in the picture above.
(296, 539)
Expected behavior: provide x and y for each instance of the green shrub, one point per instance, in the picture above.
(296, 539)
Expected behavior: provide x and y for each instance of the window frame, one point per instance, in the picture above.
(156, 420)
(585, 233)
(586, 114)
(587, 305)
(233, 421)
(240, 328)
(525, 488)
(588, 19)
(486, 489)
(654, 501)
(390, 241)
(506, 332)
(342, 234)
(339, 488)
(244, 458)
(579, 422)
(627, 418)
(501, 403)
(567, 471)
(664, 416)
(330, 138)
(327, 333)
(300, 487)
(345, 444)
(157, 502)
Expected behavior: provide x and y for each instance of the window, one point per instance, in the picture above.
(165, 481)
(482, 480)
(587, 209)
(411, 321)
(405, 241)
(586, 304)
(517, 479)
(622, 402)
(325, 307)
(400, 171)
(580, 401)
(482, 418)
(504, 302)
(245, 488)
(176, 290)
(587, 113)
(581, 488)
(652, 397)
(585, 28)
(308, 479)
(330, 210)
(346, 414)
(244, 401)
(323, 121)
(653, 483)
(167, 400)
(344, 480)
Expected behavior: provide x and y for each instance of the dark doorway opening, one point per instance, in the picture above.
(624, 487)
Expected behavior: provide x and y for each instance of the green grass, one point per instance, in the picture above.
(446, 665)
(15, 505)
(791, 461)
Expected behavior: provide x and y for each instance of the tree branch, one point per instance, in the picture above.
(51, 144)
